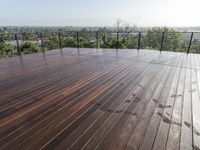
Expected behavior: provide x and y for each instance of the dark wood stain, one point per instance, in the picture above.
(91, 100)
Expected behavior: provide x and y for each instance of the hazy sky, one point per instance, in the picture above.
(100, 12)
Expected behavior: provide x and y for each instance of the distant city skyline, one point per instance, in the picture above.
(182, 13)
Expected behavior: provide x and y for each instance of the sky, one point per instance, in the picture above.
(99, 12)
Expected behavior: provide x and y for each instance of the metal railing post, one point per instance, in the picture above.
(60, 40)
(117, 40)
(1, 40)
(41, 40)
(190, 43)
(162, 40)
(77, 39)
(97, 39)
(17, 41)
(139, 38)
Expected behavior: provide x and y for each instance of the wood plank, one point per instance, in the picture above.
(128, 129)
(70, 139)
(186, 132)
(166, 121)
(100, 100)
(62, 108)
(141, 126)
(195, 105)
(66, 83)
(151, 131)
(104, 108)
(117, 121)
(93, 128)
(173, 140)
(73, 123)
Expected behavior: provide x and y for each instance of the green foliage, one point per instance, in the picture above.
(85, 43)
(195, 47)
(152, 39)
(28, 47)
(69, 42)
(131, 42)
(112, 42)
(6, 50)
(1, 40)
(53, 42)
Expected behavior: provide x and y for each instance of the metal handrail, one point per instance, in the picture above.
(60, 36)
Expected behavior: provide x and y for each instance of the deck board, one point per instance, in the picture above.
(100, 100)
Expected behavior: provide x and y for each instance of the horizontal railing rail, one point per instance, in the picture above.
(16, 44)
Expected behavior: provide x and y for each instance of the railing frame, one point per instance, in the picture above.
(139, 39)
(191, 37)
(60, 40)
(42, 43)
(117, 40)
(162, 41)
(97, 40)
(77, 39)
(17, 42)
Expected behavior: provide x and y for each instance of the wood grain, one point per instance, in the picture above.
(100, 100)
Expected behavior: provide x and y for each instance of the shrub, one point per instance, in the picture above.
(29, 47)
(6, 50)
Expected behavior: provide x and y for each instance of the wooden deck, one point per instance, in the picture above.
(100, 100)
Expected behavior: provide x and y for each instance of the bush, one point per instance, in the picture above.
(69, 42)
(29, 47)
(112, 42)
(53, 42)
(85, 43)
(6, 50)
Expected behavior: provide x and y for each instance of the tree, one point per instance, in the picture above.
(126, 37)
(153, 38)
